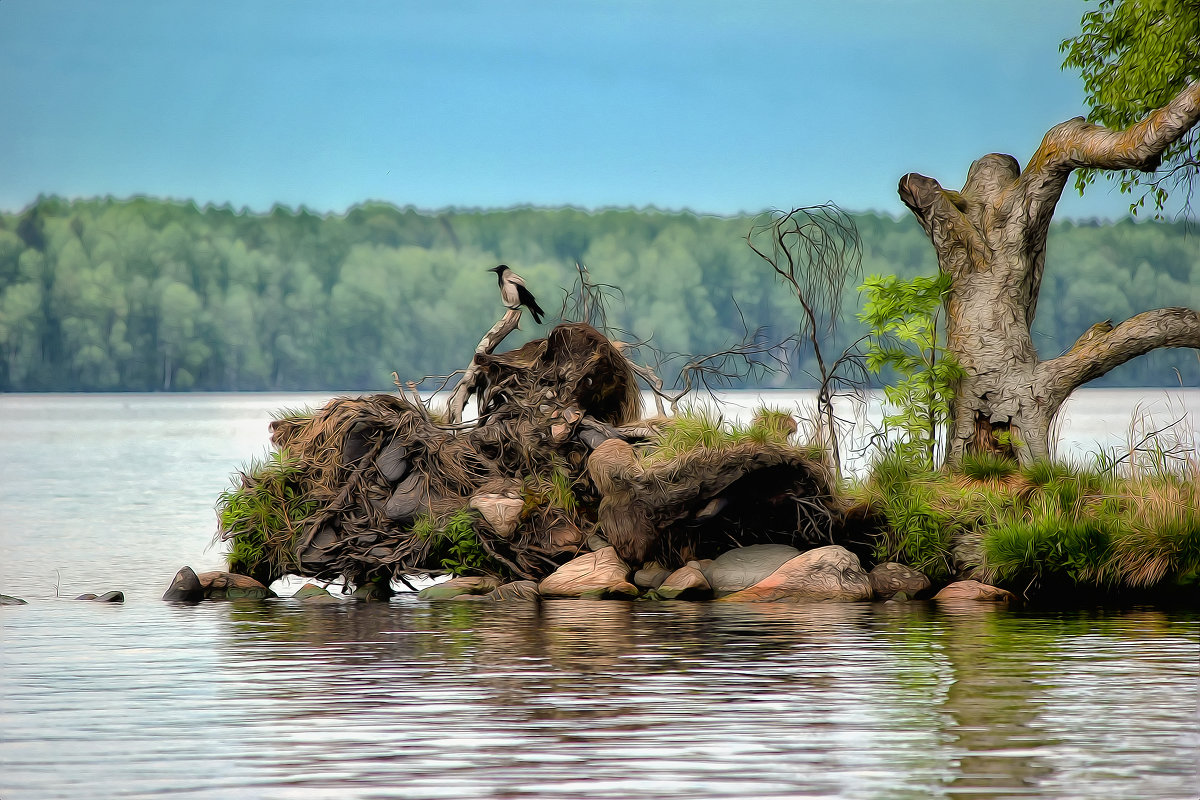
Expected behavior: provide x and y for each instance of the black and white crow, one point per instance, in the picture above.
(513, 292)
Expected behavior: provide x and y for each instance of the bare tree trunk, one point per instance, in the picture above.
(990, 237)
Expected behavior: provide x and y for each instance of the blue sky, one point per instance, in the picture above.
(717, 107)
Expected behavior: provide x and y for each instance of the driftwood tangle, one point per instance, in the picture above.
(563, 410)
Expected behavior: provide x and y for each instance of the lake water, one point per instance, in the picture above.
(569, 699)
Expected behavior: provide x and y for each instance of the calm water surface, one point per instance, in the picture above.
(563, 700)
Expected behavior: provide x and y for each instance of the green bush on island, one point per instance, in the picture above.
(263, 516)
(1044, 530)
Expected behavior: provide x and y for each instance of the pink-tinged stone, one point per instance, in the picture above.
(825, 573)
(683, 582)
(597, 574)
(974, 590)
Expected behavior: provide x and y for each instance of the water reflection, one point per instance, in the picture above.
(585, 699)
(711, 699)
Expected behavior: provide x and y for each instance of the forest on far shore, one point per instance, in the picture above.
(154, 295)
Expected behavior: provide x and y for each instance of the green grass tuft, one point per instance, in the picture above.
(262, 518)
(987, 466)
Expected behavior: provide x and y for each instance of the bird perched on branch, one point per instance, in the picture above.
(513, 292)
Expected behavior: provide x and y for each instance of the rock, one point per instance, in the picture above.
(650, 576)
(685, 583)
(315, 553)
(311, 593)
(701, 565)
(8, 600)
(110, 597)
(185, 587)
(392, 462)
(356, 444)
(232, 586)
(974, 590)
(373, 591)
(517, 590)
(592, 575)
(565, 536)
(501, 512)
(456, 586)
(743, 567)
(596, 542)
(409, 498)
(825, 573)
(890, 578)
(86, 596)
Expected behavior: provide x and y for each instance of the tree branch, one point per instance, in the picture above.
(467, 385)
(941, 215)
(1077, 143)
(1163, 327)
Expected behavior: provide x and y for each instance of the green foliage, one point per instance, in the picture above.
(919, 531)
(455, 542)
(142, 295)
(903, 317)
(1067, 527)
(987, 466)
(1134, 56)
(1043, 472)
(262, 517)
(1050, 543)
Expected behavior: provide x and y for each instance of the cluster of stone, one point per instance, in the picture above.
(754, 574)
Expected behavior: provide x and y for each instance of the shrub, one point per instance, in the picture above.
(262, 517)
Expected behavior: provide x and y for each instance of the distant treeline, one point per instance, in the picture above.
(150, 295)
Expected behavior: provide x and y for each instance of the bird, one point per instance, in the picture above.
(513, 292)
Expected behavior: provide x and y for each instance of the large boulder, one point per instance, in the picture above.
(743, 567)
(456, 586)
(8, 600)
(592, 575)
(685, 583)
(185, 587)
(824, 573)
(232, 586)
(973, 590)
(890, 578)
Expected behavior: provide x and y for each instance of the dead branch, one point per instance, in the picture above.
(467, 384)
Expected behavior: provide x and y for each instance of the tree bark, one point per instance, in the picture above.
(990, 237)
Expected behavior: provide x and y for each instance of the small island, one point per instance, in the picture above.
(560, 486)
